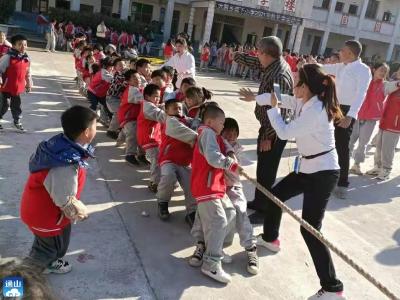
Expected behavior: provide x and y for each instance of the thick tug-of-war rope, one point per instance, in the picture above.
(321, 238)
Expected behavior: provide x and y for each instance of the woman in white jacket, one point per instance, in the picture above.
(316, 109)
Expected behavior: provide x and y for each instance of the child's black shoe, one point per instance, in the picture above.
(142, 158)
(153, 187)
(190, 219)
(131, 159)
(163, 212)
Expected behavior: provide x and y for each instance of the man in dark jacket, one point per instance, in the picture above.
(269, 146)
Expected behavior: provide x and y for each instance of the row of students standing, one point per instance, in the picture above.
(381, 105)
(175, 132)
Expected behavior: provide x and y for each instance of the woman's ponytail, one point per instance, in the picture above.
(330, 100)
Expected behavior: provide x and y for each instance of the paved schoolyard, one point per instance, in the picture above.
(119, 254)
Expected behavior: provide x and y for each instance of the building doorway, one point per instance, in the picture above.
(316, 44)
(231, 34)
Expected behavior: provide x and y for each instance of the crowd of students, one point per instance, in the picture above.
(184, 137)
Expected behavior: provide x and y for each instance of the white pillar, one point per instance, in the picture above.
(361, 19)
(76, 5)
(396, 32)
(275, 29)
(298, 39)
(190, 22)
(18, 5)
(209, 22)
(324, 41)
(124, 9)
(168, 19)
(292, 37)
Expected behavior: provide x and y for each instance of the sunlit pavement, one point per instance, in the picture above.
(120, 254)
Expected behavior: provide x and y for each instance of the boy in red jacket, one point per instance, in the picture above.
(176, 151)
(128, 113)
(214, 210)
(15, 78)
(148, 130)
(50, 200)
(389, 132)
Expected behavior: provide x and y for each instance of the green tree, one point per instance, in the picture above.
(7, 8)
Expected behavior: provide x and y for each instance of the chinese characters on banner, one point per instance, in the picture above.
(345, 20)
(378, 26)
(261, 13)
(290, 6)
(263, 3)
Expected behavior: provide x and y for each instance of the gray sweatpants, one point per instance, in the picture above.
(243, 225)
(386, 142)
(45, 250)
(216, 218)
(129, 131)
(113, 105)
(362, 131)
(170, 174)
(152, 157)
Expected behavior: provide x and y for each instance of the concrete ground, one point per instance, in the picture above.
(119, 254)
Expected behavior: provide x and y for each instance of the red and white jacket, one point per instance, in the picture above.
(148, 125)
(208, 165)
(15, 72)
(100, 83)
(372, 107)
(176, 142)
(390, 120)
(38, 210)
(129, 108)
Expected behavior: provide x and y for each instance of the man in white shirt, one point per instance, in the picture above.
(183, 62)
(352, 81)
(101, 33)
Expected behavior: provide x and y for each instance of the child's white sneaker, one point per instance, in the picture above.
(384, 174)
(324, 295)
(216, 273)
(196, 259)
(273, 246)
(355, 169)
(226, 259)
(58, 266)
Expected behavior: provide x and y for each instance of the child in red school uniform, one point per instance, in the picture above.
(389, 132)
(144, 69)
(114, 38)
(194, 99)
(88, 70)
(99, 85)
(128, 113)
(158, 77)
(114, 93)
(15, 78)
(148, 130)
(4, 44)
(169, 77)
(368, 115)
(205, 56)
(186, 83)
(51, 197)
(123, 40)
(98, 53)
(215, 212)
(176, 151)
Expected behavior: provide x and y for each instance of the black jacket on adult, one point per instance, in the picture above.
(268, 161)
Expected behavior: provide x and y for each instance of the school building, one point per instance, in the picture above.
(305, 26)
